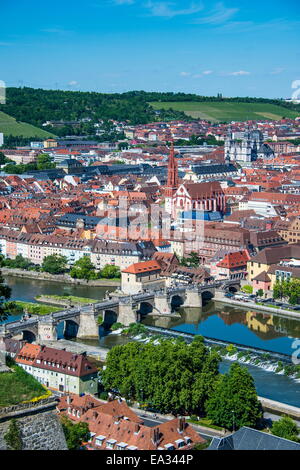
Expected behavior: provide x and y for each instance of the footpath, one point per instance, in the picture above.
(276, 311)
(64, 278)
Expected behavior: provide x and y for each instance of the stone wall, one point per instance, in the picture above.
(39, 425)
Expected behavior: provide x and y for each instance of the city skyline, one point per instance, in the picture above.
(121, 45)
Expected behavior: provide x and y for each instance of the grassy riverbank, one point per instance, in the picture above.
(61, 278)
(68, 299)
(18, 307)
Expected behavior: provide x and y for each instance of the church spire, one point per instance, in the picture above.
(172, 183)
(172, 169)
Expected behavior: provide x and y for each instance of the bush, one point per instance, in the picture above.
(13, 437)
(116, 326)
(103, 395)
(248, 289)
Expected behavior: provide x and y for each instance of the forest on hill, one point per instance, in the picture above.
(36, 106)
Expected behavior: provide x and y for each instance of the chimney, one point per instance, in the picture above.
(69, 399)
(181, 424)
(95, 415)
(136, 428)
(155, 436)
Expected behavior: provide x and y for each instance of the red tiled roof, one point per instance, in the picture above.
(144, 266)
(234, 260)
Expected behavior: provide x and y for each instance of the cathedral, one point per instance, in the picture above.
(248, 149)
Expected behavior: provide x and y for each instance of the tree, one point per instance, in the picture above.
(44, 162)
(83, 269)
(54, 264)
(75, 434)
(3, 159)
(18, 262)
(234, 401)
(5, 293)
(192, 260)
(173, 376)
(12, 437)
(109, 271)
(286, 428)
(260, 293)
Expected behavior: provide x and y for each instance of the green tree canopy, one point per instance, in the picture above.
(83, 269)
(286, 428)
(75, 434)
(5, 293)
(109, 271)
(234, 401)
(173, 377)
(54, 264)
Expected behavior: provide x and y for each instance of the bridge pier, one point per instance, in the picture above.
(219, 295)
(88, 326)
(193, 298)
(46, 329)
(162, 302)
(127, 312)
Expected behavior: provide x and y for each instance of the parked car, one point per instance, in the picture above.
(229, 295)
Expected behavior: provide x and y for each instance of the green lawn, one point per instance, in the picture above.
(69, 298)
(227, 111)
(37, 309)
(9, 126)
(18, 386)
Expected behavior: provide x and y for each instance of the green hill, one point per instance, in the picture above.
(219, 111)
(9, 126)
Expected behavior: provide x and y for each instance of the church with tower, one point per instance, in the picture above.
(248, 149)
(184, 197)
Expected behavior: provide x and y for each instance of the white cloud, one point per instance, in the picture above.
(277, 71)
(207, 72)
(277, 24)
(73, 83)
(169, 10)
(240, 72)
(218, 15)
(56, 31)
(185, 74)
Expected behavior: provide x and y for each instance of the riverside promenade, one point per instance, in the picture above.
(249, 305)
(61, 278)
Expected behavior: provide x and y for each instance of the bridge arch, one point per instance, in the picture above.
(29, 336)
(109, 318)
(207, 295)
(67, 328)
(176, 301)
(233, 288)
(145, 308)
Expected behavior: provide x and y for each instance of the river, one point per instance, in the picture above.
(215, 320)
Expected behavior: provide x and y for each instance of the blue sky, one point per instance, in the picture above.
(235, 47)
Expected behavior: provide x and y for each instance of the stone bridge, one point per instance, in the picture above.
(82, 322)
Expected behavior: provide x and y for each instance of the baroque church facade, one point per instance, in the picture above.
(248, 149)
